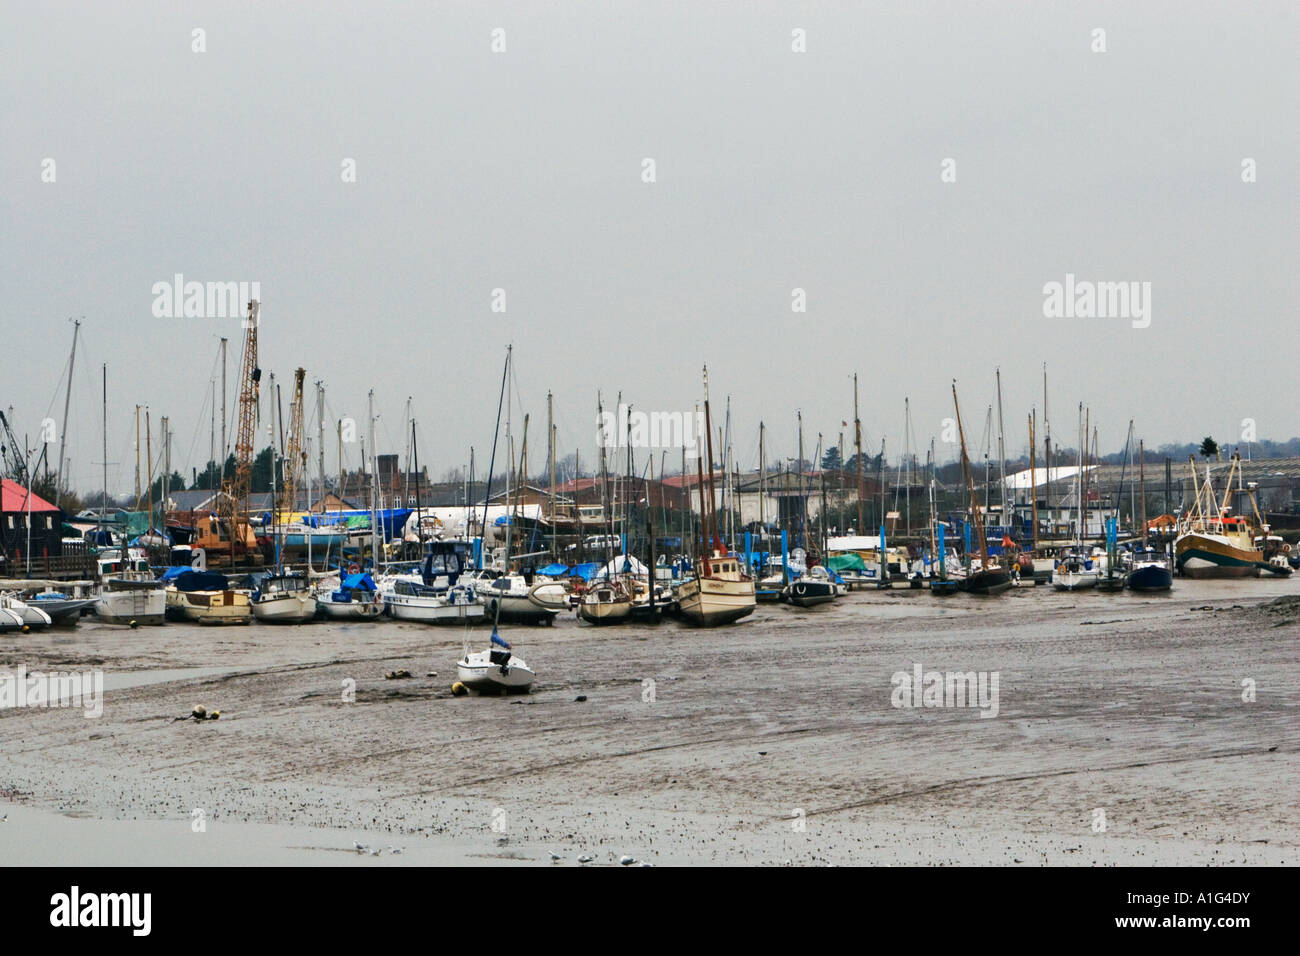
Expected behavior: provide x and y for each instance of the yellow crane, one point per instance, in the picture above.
(232, 534)
(295, 454)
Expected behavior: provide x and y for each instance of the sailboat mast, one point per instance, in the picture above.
(1002, 453)
(1033, 486)
(803, 500)
(857, 438)
(374, 480)
(907, 458)
(1047, 451)
(222, 451)
(148, 439)
(762, 469)
(714, 542)
(1142, 482)
(67, 400)
(970, 485)
(550, 483)
(103, 510)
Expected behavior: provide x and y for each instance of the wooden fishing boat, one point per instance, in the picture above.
(1212, 543)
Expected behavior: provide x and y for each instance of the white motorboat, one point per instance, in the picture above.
(409, 600)
(495, 670)
(26, 615)
(510, 598)
(284, 599)
(129, 593)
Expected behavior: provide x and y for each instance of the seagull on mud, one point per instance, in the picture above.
(361, 847)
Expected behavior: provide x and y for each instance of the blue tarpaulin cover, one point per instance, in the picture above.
(200, 581)
(358, 582)
(554, 570)
(585, 571)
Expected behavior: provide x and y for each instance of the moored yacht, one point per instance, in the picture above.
(284, 598)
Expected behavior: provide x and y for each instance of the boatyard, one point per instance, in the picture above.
(772, 741)
(674, 435)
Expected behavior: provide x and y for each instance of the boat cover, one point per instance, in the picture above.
(200, 581)
(846, 562)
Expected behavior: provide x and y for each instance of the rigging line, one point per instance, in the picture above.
(189, 458)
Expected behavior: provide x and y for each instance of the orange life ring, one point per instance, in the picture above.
(353, 569)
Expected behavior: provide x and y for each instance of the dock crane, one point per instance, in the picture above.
(11, 455)
(295, 455)
(233, 532)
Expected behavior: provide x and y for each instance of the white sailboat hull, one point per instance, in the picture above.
(481, 675)
(285, 609)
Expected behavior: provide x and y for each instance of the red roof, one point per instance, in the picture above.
(13, 498)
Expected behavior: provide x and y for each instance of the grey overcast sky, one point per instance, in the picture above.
(775, 170)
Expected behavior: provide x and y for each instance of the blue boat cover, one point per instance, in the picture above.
(170, 574)
(586, 571)
(554, 570)
(200, 581)
(358, 582)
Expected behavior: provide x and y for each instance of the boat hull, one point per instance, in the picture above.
(64, 610)
(516, 609)
(1150, 577)
(809, 593)
(712, 602)
(1214, 556)
(483, 676)
(406, 608)
(606, 612)
(138, 606)
(987, 583)
(285, 609)
(350, 610)
(212, 608)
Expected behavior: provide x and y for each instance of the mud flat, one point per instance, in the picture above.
(770, 742)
